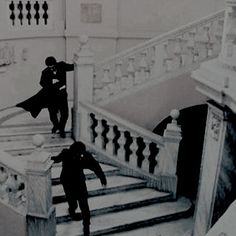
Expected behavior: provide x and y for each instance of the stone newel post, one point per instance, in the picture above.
(40, 211)
(83, 82)
(169, 153)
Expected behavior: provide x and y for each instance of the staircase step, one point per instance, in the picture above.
(129, 219)
(114, 184)
(107, 169)
(116, 202)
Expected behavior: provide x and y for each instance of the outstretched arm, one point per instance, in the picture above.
(60, 157)
(92, 164)
(68, 67)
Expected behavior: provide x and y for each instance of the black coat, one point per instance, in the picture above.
(72, 176)
(50, 92)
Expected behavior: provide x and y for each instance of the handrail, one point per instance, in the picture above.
(163, 37)
(124, 123)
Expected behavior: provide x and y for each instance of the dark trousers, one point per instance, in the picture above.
(59, 108)
(73, 198)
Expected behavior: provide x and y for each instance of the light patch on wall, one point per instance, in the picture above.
(91, 13)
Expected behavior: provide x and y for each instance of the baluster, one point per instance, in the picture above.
(121, 142)
(36, 15)
(146, 153)
(3, 179)
(99, 130)
(106, 74)
(191, 45)
(12, 15)
(13, 188)
(110, 147)
(167, 60)
(131, 71)
(125, 83)
(178, 52)
(118, 77)
(28, 15)
(153, 61)
(134, 148)
(91, 137)
(45, 14)
(143, 67)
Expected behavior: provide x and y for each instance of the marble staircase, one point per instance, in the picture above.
(125, 204)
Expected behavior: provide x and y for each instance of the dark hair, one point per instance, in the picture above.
(50, 61)
(78, 147)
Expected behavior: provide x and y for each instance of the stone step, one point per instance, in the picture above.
(107, 169)
(114, 185)
(116, 202)
(129, 219)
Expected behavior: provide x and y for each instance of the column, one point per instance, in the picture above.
(83, 82)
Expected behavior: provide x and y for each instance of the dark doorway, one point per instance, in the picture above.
(192, 121)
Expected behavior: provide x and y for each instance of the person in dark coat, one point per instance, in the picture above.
(53, 94)
(74, 161)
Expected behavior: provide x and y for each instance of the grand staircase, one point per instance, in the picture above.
(126, 204)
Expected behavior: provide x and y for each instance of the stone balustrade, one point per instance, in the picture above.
(159, 58)
(25, 188)
(12, 183)
(130, 144)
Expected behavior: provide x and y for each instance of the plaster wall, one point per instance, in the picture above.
(147, 107)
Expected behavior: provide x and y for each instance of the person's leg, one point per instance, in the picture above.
(85, 212)
(53, 111)
(71, 200)
(64, 113)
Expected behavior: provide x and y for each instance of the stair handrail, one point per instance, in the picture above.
(121, 141)
(162, 37)
(123, 123)
(171, 51)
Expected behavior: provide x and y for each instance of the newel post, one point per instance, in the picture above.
(83, 83)
(169, 153)
(41, 217)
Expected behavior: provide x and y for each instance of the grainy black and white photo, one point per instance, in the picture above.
(117, 117)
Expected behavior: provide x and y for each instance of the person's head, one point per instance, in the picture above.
(77, 147)
(50, 61)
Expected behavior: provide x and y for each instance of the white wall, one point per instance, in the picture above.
(149, 106)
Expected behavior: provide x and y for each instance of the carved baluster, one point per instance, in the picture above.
(37, 15)
(12, 15)
(20, 8)
(191, 45)
(118, 77)
(106, 74)
(45, 14)
(143, 67)
(167, 60)
(121, 142)
(110, 148)
(131, 71)
(134, 148)
(28, 15)
(153, 61)
(14, 185)
(99, 130)
(3, 179)
(178, 52)
(146, 153)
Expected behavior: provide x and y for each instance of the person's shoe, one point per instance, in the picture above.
(62, 134)
(54, 130)
(73, 215)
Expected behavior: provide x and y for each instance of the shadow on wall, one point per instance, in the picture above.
(192, 121)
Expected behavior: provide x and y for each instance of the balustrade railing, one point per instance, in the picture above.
(160, 58)
(13, 183)
(130, 144)
(25, 188)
